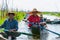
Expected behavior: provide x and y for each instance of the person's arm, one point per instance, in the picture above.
(29, 18)
(16, 26)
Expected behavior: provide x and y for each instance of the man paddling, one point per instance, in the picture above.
(34, 18)
(10, 24)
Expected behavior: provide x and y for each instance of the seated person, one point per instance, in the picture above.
(10, 24)
(43, 22)
(34, 18)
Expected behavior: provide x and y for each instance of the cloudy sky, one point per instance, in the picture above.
(41, 5)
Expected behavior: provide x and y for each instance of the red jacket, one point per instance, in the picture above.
(35, 19)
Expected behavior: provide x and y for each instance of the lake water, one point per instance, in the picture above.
(50, 36)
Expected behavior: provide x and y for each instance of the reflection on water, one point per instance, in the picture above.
(55, 28)
(44, 36)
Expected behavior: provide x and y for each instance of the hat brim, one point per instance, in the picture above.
(10, 13)
(34, 12)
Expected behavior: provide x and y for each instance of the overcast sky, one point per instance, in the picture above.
(41, 5)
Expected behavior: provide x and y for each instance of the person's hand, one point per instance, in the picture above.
(46, 26)
(12, 30)
(42, 23)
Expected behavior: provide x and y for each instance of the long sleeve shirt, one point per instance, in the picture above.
(35, 19)
(10, 24)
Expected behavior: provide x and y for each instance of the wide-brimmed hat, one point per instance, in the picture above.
(10, 13)
(34, 11)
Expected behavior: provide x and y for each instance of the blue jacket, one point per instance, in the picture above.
(10, 25)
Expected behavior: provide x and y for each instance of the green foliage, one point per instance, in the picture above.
(2, 30)
(52, 13)
(1, 21)
(19, 16)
